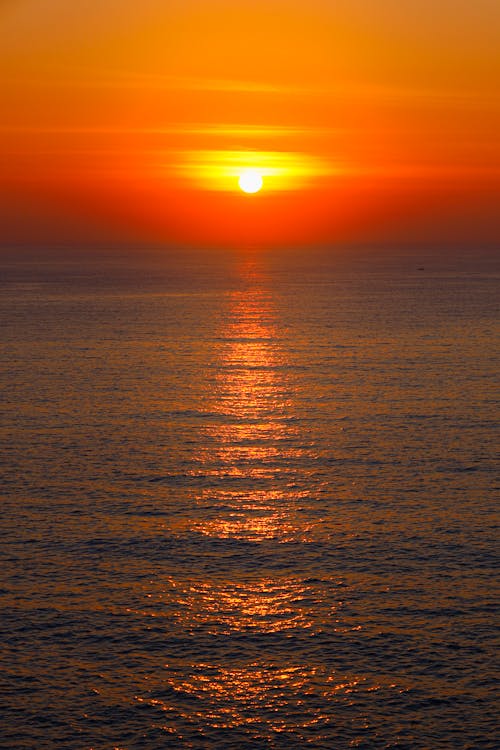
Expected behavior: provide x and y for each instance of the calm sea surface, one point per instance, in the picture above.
(248, 502)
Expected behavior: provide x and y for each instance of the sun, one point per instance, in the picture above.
(250, 181)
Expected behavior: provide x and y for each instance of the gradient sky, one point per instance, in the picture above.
(370, 121)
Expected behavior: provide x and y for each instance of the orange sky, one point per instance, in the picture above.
(369, 121)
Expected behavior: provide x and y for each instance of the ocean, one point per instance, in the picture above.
(249, 500)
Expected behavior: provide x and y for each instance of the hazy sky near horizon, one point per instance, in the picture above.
(368, 120)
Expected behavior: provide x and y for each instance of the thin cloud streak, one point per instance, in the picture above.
(184, 129)
(85, 78)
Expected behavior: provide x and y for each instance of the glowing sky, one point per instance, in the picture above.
(367, 120)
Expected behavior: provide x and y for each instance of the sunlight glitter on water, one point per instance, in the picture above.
(256, 695)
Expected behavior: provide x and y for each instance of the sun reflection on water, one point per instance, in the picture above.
(263, 605)
(252, 437)
(254, 502)
(262, 697)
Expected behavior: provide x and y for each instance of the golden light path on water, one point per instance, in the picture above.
(254, 432)
(251, 434)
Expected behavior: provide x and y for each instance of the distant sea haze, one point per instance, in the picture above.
(248, 501)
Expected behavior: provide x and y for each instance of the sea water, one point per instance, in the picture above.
(248, 500)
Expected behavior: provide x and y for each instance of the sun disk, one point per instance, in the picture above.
(250, 181)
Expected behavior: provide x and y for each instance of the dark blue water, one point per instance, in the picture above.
(248, 502)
